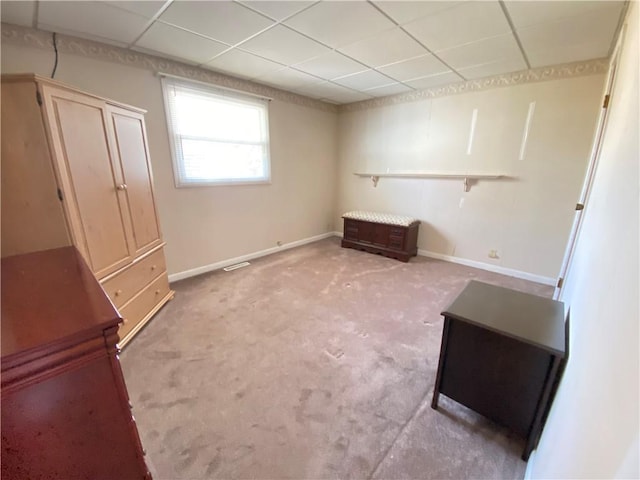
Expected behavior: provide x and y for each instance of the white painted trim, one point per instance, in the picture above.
(491, 268)
(527, 472)
(483, 266)
(174, 277)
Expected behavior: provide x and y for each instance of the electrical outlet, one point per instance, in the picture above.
(493, 254)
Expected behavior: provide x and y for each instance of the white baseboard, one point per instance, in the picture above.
(491, 268)
(174, 277)
(484, 266)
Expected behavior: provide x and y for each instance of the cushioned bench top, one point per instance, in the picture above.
(388, 218)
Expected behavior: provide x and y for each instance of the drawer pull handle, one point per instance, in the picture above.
(125, 320)
(122, 186)
(157, 292)
(118, 292)
(153, 267)
(130, 405)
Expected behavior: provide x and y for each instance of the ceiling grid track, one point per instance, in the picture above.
(515, 33)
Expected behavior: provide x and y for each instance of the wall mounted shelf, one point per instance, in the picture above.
(467, 178)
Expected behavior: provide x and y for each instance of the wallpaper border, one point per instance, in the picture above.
(534, 75)
(25, 36)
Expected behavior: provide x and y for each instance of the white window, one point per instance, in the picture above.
(217, 136)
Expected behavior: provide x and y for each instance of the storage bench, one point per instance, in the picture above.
(393, 236)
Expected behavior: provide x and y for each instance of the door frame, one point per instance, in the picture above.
(591, 168)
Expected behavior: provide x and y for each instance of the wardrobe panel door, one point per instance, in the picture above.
(92, 182)
(134, 161)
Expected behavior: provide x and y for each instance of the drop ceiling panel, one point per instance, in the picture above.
(386, 47)
(147, 9)
(468, 22)
(494, 68)
(524, 14)
(175, 42)
(288, 78)
(278, 10)
(433, 80)
(364, 80)
(494, 49)
(577, 38)
(329, 90)
(226, 22)
(347, 96)
(283, 45)
(91, 20)
(243, 64)
(392, 89)
(340, 23)
(404, 12)
(417, 67)
(18, 13)
(330, 65)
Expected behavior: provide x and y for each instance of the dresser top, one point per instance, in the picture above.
(528, 318)
(50, 299)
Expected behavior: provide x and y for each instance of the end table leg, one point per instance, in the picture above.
(441, 362)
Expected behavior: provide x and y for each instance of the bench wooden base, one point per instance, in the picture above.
(393, 241)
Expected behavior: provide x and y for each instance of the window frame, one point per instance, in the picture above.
(180, 180)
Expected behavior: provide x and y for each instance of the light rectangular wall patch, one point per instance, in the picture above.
(472, 130)
(527, 127)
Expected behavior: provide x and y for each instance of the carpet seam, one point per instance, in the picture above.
(415, 413)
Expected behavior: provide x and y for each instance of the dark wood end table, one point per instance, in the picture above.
(500, 354)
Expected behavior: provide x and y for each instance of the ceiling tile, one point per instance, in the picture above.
(347, 96)
(178, 43)
(278, 10)
(330, 65)
(18, 13)
(415, 67)
(468, 22)
(524, 14)
(227, 22)
(385, 47)
(322, 90)
(403, 12)
(434, 80)
(494, 49)
(583, 37)
(340, 23)
(287, 78)
(243, 64)
(147, 9)
(393, 89)
(284, 45)
(494, 68)
(91, 20)
(364, 80)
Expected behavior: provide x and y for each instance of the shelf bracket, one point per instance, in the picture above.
(374, 179)
(466, 185)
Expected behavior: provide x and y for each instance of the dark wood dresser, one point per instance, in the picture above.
(65, 407)
(393, 236)
(500, 356)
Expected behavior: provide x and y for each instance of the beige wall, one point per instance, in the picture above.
(207, 225)
(592, 430)
(526, 218)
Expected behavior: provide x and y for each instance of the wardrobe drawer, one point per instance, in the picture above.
(124, 285)
(138, 308)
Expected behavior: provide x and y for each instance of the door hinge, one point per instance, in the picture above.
(59, 194)
(560, 282)
(38, 98)
(605, 104)
(579, 206)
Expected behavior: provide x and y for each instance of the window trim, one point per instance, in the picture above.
(168, 81)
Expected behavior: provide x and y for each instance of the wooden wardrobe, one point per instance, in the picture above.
(76, 171)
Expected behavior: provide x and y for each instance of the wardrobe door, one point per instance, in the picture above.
(133, 155)
(92, 184)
